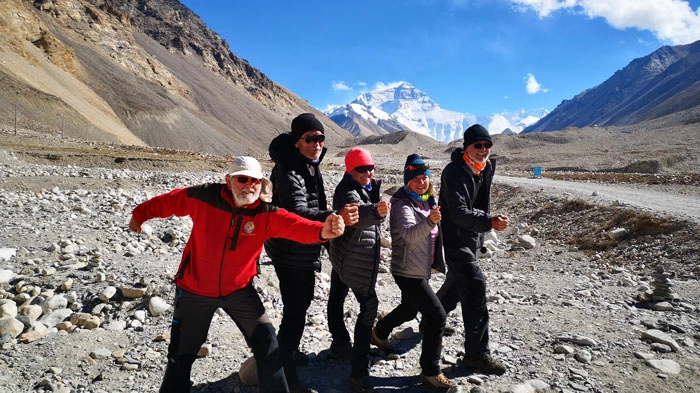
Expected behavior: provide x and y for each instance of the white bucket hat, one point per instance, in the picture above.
(249, 166)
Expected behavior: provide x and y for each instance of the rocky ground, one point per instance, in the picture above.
(584, 296)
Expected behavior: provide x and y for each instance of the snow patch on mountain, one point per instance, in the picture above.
(400, 106)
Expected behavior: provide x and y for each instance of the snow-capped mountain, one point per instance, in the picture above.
(401, 106)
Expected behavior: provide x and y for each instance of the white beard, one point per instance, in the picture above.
(246, 198)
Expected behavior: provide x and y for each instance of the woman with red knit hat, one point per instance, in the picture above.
(355, 260)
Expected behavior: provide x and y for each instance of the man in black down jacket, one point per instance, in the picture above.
(465, 198)
(298, 187)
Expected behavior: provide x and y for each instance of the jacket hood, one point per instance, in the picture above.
(457, 154)
(282, 150)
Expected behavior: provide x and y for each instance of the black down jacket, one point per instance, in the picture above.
(465, 200)
(297, 186)
(355, 254)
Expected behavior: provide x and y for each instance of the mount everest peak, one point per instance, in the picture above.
(401, 106)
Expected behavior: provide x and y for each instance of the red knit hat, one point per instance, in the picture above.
(357, 156)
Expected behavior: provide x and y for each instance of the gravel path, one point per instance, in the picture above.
(683, 206)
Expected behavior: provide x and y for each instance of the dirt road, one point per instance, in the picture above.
(680, 205)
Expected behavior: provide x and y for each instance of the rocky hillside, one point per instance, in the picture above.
(137, 72)
(660, 84)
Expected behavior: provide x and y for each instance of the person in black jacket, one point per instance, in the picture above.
(298, 187)
(355, 260)
(465, 199)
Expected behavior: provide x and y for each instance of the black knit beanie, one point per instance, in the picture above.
(415, 165)
(304, 123)
(476, 133)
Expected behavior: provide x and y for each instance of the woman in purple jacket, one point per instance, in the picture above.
(416, 249)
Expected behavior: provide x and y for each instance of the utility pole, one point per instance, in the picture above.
(16, 114)
(62, 129)
(86, 127)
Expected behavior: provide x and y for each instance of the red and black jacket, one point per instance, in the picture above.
(222, 252)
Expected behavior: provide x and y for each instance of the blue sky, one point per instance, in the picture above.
(476, 56)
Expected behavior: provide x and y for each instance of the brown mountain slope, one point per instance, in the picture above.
(137, 73)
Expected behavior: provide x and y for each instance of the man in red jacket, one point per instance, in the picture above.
(230, 223)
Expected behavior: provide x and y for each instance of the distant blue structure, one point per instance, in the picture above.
(537, 171)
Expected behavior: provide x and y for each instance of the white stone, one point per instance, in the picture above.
(10, 326)
(114, 326)
(8, 308)
(667, 366)
(6, 276)
(55, 317)
(108, 293)
(31, 311)
(140, 315)
(526, 241)
(617, 233)
(7, 253)
(658, 336)
(54, 303)
(157, 306)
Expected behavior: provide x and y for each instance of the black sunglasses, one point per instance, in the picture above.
(421, 167)
(246, 179)
(314, 138)
(364, 168)
(480, 145)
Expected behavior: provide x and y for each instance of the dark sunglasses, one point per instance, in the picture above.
(314, 138)
(422, 167)
(364, 168)
(246, 179)
(480, 145)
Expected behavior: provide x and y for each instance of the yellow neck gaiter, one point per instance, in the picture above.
(475, 166)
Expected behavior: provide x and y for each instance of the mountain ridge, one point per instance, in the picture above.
(401, 106)
(664, 82)
(140, 72)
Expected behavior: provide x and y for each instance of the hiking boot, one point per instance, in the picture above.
(340, 351)
(486, 364)
(382, 343)
(438, 383)
(300, 358)
(361, 385)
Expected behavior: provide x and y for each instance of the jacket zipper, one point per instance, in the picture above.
(236, 222)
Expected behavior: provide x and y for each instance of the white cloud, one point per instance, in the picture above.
(532, 86)
(672, 21)
(389, 85)
(545, 7)
(362, 84)
(340, 86)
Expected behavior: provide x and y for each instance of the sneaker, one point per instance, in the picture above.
(438, 382)
(300, 358)
(486, 364)
(340, 351)
(361, 385)
(382, 343)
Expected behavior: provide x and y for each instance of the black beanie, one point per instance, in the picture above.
(476, 133)
(415, 165)
(304, 123)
